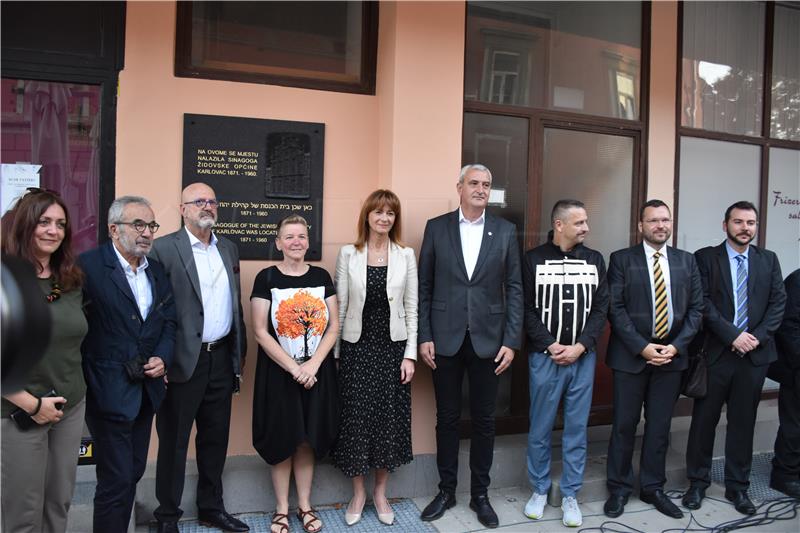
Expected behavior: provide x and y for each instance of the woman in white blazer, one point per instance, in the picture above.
(376, 286)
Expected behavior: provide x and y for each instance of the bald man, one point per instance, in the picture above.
(209, 356)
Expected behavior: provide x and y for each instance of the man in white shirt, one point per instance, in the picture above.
(130, 343)
(209, 356)
(470, 320)
(656, 308)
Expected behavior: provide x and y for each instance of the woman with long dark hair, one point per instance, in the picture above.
(42, 423)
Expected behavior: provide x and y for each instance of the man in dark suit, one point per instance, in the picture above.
(209, 354)
(470, 319)
(786, 370)
(131, 316)
(656, 309)
(744, 301)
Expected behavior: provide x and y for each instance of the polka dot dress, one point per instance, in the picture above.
(375, 429)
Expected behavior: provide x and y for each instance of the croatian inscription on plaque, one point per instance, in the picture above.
(262, 171)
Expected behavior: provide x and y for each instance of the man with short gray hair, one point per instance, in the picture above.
(470, 320)
(126, 352)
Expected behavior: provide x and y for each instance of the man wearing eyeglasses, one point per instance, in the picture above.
(656, 308)
(129, 345)
(209, 357)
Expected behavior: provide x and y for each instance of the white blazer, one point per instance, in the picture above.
(401, 289)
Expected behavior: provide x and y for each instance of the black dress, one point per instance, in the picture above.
(376, 407)
(285, 413)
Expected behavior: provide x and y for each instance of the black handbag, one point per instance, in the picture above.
(694, 382)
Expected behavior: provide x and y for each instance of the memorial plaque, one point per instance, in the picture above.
(262, 170)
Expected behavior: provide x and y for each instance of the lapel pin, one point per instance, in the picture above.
(490, 234)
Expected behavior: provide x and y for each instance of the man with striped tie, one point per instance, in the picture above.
(744, 302)
(656, 308)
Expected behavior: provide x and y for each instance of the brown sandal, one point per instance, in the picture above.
(277, 519)
(308, 525)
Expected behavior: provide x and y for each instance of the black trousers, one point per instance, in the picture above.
(120, 451)
(447, 380)
(734, 381)
(205, 400)
(786, 463)
(657, 391)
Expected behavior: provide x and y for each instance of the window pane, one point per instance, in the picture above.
(783, 207)
(57, 125)
(713, 175)
(723, 66)
(571, 56)
(786, 74)
(500, 143)
(264, 41)
(596, 169)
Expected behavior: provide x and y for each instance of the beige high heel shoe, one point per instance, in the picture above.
(386, 518)
(352, 519)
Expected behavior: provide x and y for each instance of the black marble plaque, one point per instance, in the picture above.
(262, 170)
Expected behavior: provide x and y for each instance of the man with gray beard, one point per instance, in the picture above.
(209, 356)
(131, 314)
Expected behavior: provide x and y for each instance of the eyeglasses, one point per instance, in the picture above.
(140, 225)
(200, 203)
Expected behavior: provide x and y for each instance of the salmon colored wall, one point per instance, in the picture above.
(407, 137)
(420, 88)
(663, 73)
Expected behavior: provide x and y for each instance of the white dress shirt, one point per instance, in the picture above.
(649, 252)
(138, 282)
(471, 238)
(215, 288)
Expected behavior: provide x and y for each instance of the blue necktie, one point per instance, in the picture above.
(741, 293)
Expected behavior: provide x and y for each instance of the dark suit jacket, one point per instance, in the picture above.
(174, 251)
(631, 308)
(785, 370)
(117, 333)
(491, 303)
(766, 299)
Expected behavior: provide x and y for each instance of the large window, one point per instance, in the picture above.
(553, 105)
(57, 126)
(739, 137)
(318, 45)
(582, 57)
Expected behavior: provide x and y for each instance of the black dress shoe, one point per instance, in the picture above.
(615, 505)
(790, 488)
(222, 520)
(662, 503)
(167, 527)
(740, 501)
(440, 503)
(693, 497)
(482, 507)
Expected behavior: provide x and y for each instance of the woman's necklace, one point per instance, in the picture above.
(55, 291)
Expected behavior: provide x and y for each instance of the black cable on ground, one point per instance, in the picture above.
(767, 512)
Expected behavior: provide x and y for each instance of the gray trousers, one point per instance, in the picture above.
(38, 473)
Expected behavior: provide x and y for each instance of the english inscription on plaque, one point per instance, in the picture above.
(262, 170)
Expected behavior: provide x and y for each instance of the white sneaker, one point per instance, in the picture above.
(572, 513)
(535, 506)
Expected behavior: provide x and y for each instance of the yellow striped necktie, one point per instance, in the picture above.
(662, 313)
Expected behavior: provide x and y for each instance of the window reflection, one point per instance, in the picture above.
(722, 72)
(57, 125)
(575, 56)
(786, 74)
